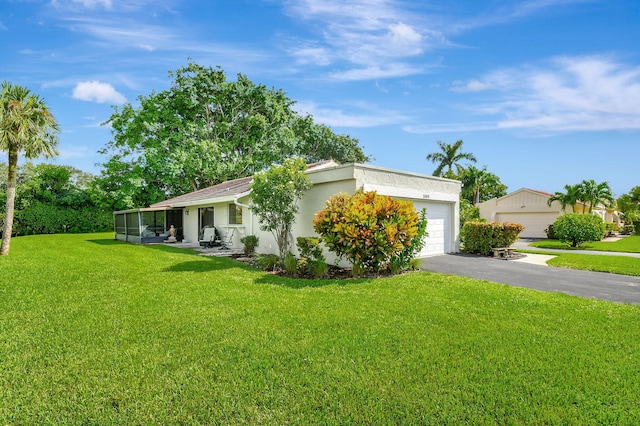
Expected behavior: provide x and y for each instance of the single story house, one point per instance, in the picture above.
(227, 207)
(530, 208)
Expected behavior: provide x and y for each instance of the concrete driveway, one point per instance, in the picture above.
(596, 285)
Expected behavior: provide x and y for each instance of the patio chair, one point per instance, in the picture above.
(210, 237)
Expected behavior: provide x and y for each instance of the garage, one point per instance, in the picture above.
(439, 219)
(534, 223)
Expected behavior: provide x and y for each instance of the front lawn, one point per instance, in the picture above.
(95, 331)
(623, 265)
(630, 244)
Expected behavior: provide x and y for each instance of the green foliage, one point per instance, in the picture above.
(551, 234)
(631, 221)
(53, 199)
(204, 130)
(275, 195)
(630, 201)
(630, 244)
(479, 185)
(367, 229)
(448, 157)
(41, 218)
(575, 229)
(250, 242)
(268, 262)
(403, 260)
(468, 212)
(312, 261)
(588, 192)
(481, 237)
(610, 227)
(27, 127)
(290, 264)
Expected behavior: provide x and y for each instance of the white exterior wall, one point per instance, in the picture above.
(190, 224)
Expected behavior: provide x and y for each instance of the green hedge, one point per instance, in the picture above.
(42, 218)
(481, 237)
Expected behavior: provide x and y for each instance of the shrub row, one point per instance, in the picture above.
(42, 218)
(481, 237)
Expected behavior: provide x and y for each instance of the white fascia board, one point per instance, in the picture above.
(414, 194)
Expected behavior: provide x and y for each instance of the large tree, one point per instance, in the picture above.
(449, 156)
(204, 130)
(28, 127)
(479, 185)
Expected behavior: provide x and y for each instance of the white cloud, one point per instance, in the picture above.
(584, 93)
(371, 38)
(107, 4)
(95, 91)
(360, 115)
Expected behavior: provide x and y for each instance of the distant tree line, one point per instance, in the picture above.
(53, 199)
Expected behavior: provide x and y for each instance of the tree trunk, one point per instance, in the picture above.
(11, 198)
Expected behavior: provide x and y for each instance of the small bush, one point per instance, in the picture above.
(576, 228)
(312, 261)
(551, 234)
(250, 243)
(290, 264)
(610, 228)
(268, 262)
(481, 237)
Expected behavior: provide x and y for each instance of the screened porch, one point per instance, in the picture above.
(147, 225)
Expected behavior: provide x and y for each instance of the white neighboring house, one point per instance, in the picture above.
(530, 208)
(227, 206)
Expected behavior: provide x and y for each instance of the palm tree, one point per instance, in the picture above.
(571, 197)
(449, 157)
(27, 126)
(596, 193)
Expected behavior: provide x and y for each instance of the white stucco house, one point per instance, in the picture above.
(227, 207)
(530, 208)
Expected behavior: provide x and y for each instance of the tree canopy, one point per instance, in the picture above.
(204, 130)
(28, 127)
(629, 201)
(479, 185)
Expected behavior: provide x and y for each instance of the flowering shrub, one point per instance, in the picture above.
(367, 229)
(575, 228)
(481, 237)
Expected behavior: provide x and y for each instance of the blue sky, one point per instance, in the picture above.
(542, 92)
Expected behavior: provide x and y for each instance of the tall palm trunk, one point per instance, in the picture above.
(11, 197)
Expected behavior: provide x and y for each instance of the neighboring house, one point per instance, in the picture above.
(530, 208)
(227, 207)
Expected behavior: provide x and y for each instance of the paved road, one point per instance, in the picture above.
(596, 285)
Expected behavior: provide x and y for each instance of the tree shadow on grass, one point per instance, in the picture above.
(107, 242)
(299, 283)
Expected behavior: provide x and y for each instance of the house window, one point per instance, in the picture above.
(235, 215)
(206, 217)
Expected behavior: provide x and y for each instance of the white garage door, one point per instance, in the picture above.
(438, 226)
(534, 223)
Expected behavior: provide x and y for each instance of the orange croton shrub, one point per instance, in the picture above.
(366, 228)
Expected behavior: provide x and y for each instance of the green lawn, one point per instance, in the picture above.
(94, 331)
(622, 265)
(630, 244)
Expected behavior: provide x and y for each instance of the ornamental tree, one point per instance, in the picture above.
(367, 229)
(575, 228)
(275, 194)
